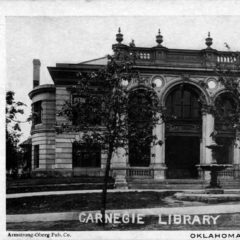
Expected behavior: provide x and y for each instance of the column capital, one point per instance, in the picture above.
(207, 109)
(163, 113)
(159, 166)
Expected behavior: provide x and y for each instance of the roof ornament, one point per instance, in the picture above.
(132, 44)
(209, 40)
(119, 36)
(159, 38)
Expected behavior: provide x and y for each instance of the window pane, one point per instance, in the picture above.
(186, 111)
(37, 112)
(195, 112)
(177, 97)
(178, 111)
(186, 97)
(36, 156)
(86, 156)
(184, 104)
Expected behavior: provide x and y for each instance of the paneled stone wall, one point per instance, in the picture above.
(62, 96)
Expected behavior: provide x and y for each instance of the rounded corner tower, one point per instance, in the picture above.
(43, 124)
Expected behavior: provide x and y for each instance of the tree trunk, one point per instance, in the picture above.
(105, 184)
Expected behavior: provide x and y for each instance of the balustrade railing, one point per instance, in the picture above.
(228, 173)
(183, 56)
(144, 55)
(140, 172)
(144, 172)
(226, 58)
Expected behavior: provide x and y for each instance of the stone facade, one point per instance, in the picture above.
(160, 68)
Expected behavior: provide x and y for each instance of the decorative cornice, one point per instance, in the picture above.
(43, 130)
(42, 89)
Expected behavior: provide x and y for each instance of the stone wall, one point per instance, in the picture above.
(43, 134)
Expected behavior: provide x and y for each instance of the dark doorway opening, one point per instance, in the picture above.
(182, 156)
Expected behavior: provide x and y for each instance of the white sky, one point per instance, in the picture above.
(75, 39)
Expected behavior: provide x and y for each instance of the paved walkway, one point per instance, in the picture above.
(33, 194)
(68, 216)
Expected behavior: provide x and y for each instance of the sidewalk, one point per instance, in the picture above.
(69, 216)
(33, 194)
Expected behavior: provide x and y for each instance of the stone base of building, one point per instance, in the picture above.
(90, 172)
(160, 173)
(51, 173)
(120, 182)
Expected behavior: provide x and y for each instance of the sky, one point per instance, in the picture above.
(76, 39)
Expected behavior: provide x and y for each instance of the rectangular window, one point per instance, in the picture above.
(86, 156)
(36, 156)
(37, 112)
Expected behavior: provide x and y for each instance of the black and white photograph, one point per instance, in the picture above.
(122, 122)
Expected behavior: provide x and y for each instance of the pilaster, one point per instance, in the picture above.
(236, 158)
(119, 165)
(207, 130)
(159, 151)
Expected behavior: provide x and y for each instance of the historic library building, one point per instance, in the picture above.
(180, 77)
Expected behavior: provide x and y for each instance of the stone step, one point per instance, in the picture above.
(179, 184)
(153, 186)
(145, 186)
(167, 181)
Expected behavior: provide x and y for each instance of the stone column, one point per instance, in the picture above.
(159, 151)
(236, 158)
(207, 130)
(119, 165)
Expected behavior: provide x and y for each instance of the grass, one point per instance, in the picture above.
(55, 184)
(85, 202)
(53, 180)
(225, 222)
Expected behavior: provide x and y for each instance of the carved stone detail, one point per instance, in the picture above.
(207, 109)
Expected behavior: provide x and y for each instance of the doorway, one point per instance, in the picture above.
(182, 154)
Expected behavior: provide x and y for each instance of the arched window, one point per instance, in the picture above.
(225, 106)
(139, 108)
(140, 128)
(225, 117)
(183, 103)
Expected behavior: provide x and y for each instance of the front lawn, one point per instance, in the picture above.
(85, 202)
(55, 184)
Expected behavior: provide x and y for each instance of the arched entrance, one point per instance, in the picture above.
(183, 131)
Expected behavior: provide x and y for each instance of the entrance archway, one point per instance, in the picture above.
(183, 131)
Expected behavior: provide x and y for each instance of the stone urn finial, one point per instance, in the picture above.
(209, 40)
(159, 38)
(132, 44)
(119, 36)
